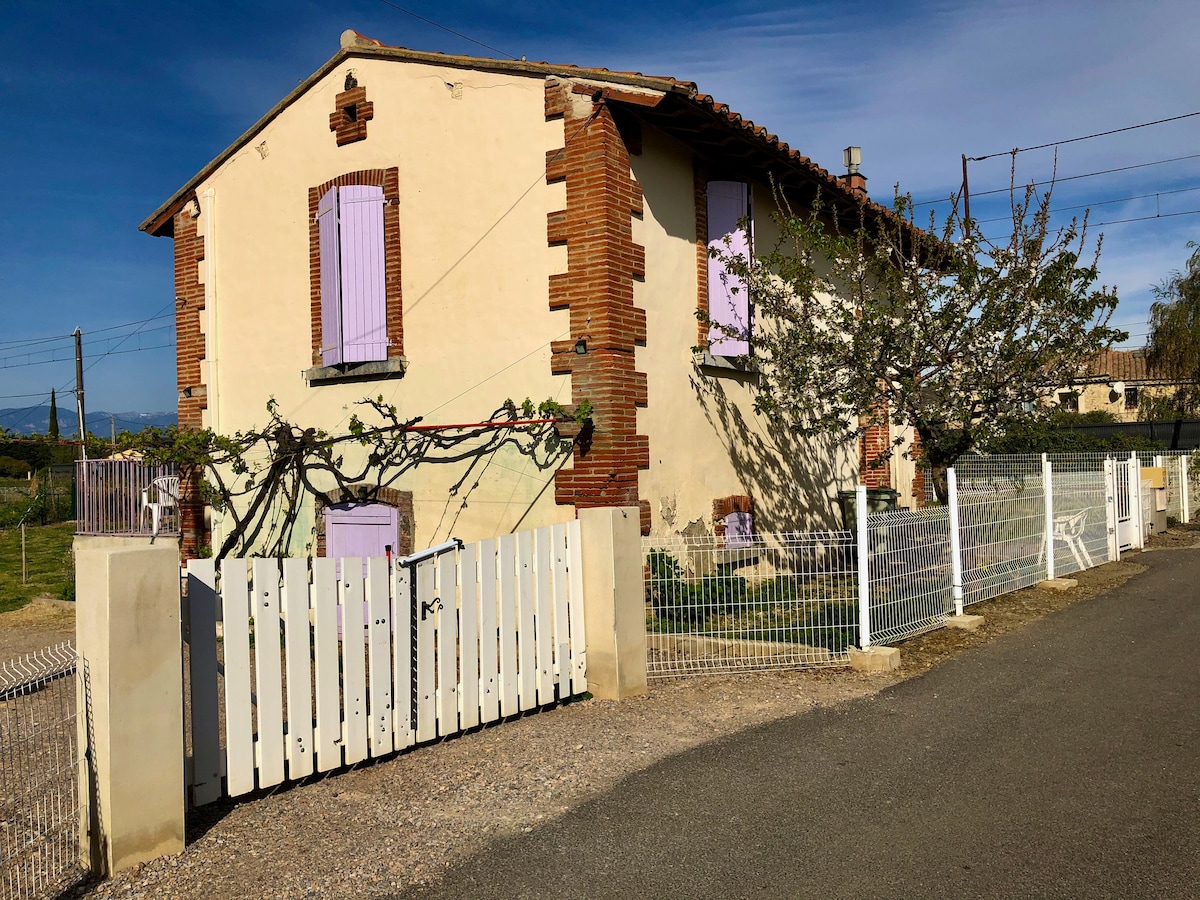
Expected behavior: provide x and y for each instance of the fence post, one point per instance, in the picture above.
(1135, 490)
(614, 602)
(1110, 509)
(956, 572)
(1185, 508)
(864, 573)
(127, 629)
(1048, 485)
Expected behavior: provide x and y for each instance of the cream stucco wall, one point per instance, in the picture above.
(706, 441)
(471, 151)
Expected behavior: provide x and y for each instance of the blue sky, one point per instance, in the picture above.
(108, 107)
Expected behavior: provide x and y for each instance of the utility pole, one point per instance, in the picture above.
(966, 200)
(79, 392)
(112, 423)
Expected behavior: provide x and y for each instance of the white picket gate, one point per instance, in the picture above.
(295, 669)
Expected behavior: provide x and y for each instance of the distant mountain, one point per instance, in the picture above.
(36, 420)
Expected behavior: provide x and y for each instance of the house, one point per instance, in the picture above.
(1117, 382)
(446, 232)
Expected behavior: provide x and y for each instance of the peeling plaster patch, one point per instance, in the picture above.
(263, 150)
(666, 510)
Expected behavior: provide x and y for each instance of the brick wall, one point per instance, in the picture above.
(875, 443)
(189, 357)
(597, 292)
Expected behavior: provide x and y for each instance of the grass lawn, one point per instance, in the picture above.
(48, 556)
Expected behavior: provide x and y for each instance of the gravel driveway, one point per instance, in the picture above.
(390, 825)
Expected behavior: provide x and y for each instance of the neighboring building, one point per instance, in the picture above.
(1117, 382)
(448, 232)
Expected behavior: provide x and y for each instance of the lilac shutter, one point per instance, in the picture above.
(364, 291)
(739, 530)
(728, 202)
(331, 295)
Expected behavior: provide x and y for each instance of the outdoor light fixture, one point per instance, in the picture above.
(581, 346)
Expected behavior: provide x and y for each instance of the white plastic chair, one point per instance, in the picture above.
(1069, 530)
(166, 500)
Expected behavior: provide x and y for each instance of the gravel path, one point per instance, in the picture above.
(385, 827)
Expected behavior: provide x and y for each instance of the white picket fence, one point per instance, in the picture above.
(300, 666)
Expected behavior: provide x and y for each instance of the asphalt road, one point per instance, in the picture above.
(1059, 761)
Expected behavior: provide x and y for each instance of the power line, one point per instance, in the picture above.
(8, 345)
(409, 12)
(22, 396)
(1189, 212)
(45, 362)
(1086, 137)
(1099, 203)
(113, 351)
(1011, 188)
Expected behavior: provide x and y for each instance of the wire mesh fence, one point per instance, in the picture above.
(1002, 524)
(784, 601)
(791, 600)
(39, 774)
(910, 587)
(1080, 521)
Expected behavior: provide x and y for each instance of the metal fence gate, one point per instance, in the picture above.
(1124, 481)
(39, 775)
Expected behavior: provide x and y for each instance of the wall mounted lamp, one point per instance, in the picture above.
(581, 347)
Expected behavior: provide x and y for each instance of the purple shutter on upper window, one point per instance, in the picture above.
(364, 291)
(739, 530)
(728, 299)
(331, 295)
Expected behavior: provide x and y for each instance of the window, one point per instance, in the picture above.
(1131, 397)
(729, 308)
(733, 521)
(354, 278)
(1069, 400)
(353, 291)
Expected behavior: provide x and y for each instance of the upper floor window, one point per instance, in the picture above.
(729, 309)
(354, 274)
(1131, 397)
(1069, 400)
(353, 292)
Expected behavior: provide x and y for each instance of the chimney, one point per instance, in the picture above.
(853, 179)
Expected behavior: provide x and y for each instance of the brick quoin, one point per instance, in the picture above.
(389, 180)
(700, 180)
(189, 356)
(873, 444)
(597, 292)
(918, 482)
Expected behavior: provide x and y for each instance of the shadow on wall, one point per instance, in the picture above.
(794, 481)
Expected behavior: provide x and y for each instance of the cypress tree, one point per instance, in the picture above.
(52, 430)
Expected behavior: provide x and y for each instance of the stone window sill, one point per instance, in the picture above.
(351, 372)
(717, 365)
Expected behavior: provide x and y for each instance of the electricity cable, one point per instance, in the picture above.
(1055, 181)
(409, 12)
(1086, 137)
